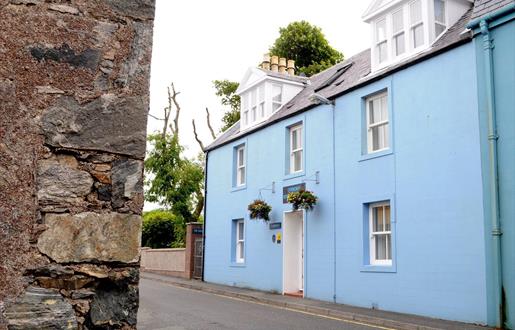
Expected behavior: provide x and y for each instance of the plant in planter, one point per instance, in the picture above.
(259, 209)
(302, 199)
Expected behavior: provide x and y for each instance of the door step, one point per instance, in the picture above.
(298, 294)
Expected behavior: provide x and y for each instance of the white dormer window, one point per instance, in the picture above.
(381, 42)
(416, 24)
(277, 97)
(398, 32)
(439, 9)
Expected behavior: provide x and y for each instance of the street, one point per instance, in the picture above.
(164, 306)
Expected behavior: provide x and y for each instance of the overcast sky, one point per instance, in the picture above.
(196, 42)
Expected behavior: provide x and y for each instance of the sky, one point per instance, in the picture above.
(196, 42)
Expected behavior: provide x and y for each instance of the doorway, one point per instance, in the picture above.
(293, 253)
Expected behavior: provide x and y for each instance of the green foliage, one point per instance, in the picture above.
(176, 182)
(259, 209)
(307, 45)
(160, 229)
(225, 90)
(302, 199)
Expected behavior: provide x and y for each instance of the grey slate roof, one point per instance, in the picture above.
(483, 7)
(357, 74)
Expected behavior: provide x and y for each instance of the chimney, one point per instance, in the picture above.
(291, 67)
(282, 65)
(266, 62)
(275, 62)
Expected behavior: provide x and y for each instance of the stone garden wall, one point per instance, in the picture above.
(74, 84)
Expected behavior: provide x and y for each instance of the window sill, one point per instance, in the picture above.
(293, 175)
(376, 154)
(378, 269)
(238, 188)
(237, 264)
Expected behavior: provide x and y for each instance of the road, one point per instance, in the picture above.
(167, 307)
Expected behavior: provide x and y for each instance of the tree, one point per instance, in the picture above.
(226, 90)
(307, 45)
(173, 180)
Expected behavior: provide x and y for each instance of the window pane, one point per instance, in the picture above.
(381, 30)
(381, 52)
(277, 93)
(439, 11)
(386, 140)
(418, 35)
(375, 138)
(245, 117)
(415, 12)
(384, 108)
(254, 113)
(387, 218)
(254, 102)
(397, 21)
(262, 110)
(261, 93)
(240, 230)
(381, 247)
(378, 223)
(241, 156)
(439, 28)
(241, 175)
(297, 161)
(241, 248)
(399, 44)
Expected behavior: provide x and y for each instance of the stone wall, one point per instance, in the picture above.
(74, 83)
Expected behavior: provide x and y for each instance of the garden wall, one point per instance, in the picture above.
(74, 97)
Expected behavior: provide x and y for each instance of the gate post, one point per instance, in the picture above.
(193, 232)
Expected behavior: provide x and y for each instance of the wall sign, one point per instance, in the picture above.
(289, 189)
(274, 225)
(197, 231)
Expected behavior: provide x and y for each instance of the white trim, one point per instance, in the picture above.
(374, 234)
(370, 126)
(241, 166)
(299, 149)
(240, 258)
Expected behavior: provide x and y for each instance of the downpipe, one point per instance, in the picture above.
(493, 171)
(205, 219)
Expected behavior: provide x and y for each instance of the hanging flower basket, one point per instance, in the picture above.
(259, 209)
(302, 200)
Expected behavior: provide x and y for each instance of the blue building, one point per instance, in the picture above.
(410, 149)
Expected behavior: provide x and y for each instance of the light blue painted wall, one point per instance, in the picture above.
(432, 177)
(504, 82)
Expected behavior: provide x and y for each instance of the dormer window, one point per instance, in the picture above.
(381, 43)
(439, 8)
(417, 24)
(277, 97)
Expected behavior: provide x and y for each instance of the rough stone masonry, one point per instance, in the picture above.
(74, 97)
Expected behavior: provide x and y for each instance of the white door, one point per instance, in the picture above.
(293, 253)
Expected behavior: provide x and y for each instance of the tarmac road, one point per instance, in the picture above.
(167, 307)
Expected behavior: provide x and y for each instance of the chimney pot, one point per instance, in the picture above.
(275, 62)
(291, 67)
(282, 65)
(266, 62)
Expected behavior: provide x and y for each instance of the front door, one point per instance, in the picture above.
(293, 253)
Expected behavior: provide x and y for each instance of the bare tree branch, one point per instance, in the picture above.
(157, 118)
(209, 124)
(177, 110)
(196, 135)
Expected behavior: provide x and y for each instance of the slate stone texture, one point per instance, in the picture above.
(74, 97)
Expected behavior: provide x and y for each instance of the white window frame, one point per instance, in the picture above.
(240, 242)
(397, 34)
(241, 178)
(379, 42)
(261, 102)
(370, 137)
(300, 148)
(373, 234)
(414, 25)
(276, 102)
(444, 24)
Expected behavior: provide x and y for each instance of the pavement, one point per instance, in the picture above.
(163, 305)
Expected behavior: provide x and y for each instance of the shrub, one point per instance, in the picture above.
(162, 229)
